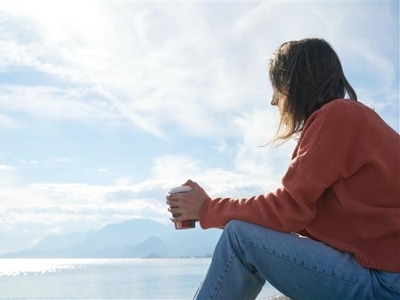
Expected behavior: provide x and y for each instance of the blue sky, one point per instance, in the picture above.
(105, 105)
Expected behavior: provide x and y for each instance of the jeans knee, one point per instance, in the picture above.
(234, 225)
(238, 228)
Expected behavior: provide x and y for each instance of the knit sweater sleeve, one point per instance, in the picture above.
(320, 158)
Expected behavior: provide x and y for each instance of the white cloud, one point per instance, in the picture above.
(172, 70)
(55, 103)
(163, 64)
(255, 172)
(151, 87)
(49, 215)
(7, 122)
(221, 146)
(5, 167)
(174, 170)
(22, 227)
(31, 162)
(8, 178)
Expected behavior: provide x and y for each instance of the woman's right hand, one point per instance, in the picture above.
(187, 205)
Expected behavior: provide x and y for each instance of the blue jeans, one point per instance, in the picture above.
(247, 255)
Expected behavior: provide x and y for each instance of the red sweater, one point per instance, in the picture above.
(342, 187)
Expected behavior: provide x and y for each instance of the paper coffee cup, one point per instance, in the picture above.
(185, 224)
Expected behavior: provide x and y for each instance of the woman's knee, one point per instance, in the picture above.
(234, 230)
(240, 228)
(236, 225)
(257, 235)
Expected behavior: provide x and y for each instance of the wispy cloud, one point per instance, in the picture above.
(178, 89)
(54, 103)
(5, 167)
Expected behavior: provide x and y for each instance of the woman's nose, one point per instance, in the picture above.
(274, 101)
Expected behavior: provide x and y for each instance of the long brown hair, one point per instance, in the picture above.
(305, 75)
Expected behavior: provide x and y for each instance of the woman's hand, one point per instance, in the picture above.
(185, 206)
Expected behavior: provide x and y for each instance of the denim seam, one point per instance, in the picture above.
(230, 264)
(378, 289)
(305, 266)
(394, 281)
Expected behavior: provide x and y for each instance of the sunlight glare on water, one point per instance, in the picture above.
(104, 278)
(16, 267)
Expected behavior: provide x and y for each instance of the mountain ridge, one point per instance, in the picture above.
(135, 238)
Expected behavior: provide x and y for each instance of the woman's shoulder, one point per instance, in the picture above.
(340, 116)
(343, 105)
(345, 110)
(352, 117)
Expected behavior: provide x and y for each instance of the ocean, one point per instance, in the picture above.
(146, 278)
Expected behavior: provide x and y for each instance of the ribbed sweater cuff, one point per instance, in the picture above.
(205, 215)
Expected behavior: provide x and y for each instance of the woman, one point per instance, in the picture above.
(332, 230)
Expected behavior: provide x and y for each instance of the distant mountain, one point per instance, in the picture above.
(53, 242)
(152, 247)
(133, 238)
(129, 232)
(191, 242)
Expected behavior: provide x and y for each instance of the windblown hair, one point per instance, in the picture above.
(305, 75)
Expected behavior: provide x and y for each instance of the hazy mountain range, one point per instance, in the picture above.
(133, 238)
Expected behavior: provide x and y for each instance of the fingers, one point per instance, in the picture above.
(191, 183)
(175, 209)
(177, 217)
(173, 199)
(179, 205)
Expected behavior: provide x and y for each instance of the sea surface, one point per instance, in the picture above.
(146, 278)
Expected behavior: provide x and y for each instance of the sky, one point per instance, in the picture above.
(106, 105)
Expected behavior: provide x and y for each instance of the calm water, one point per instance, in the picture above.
(104, 278)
